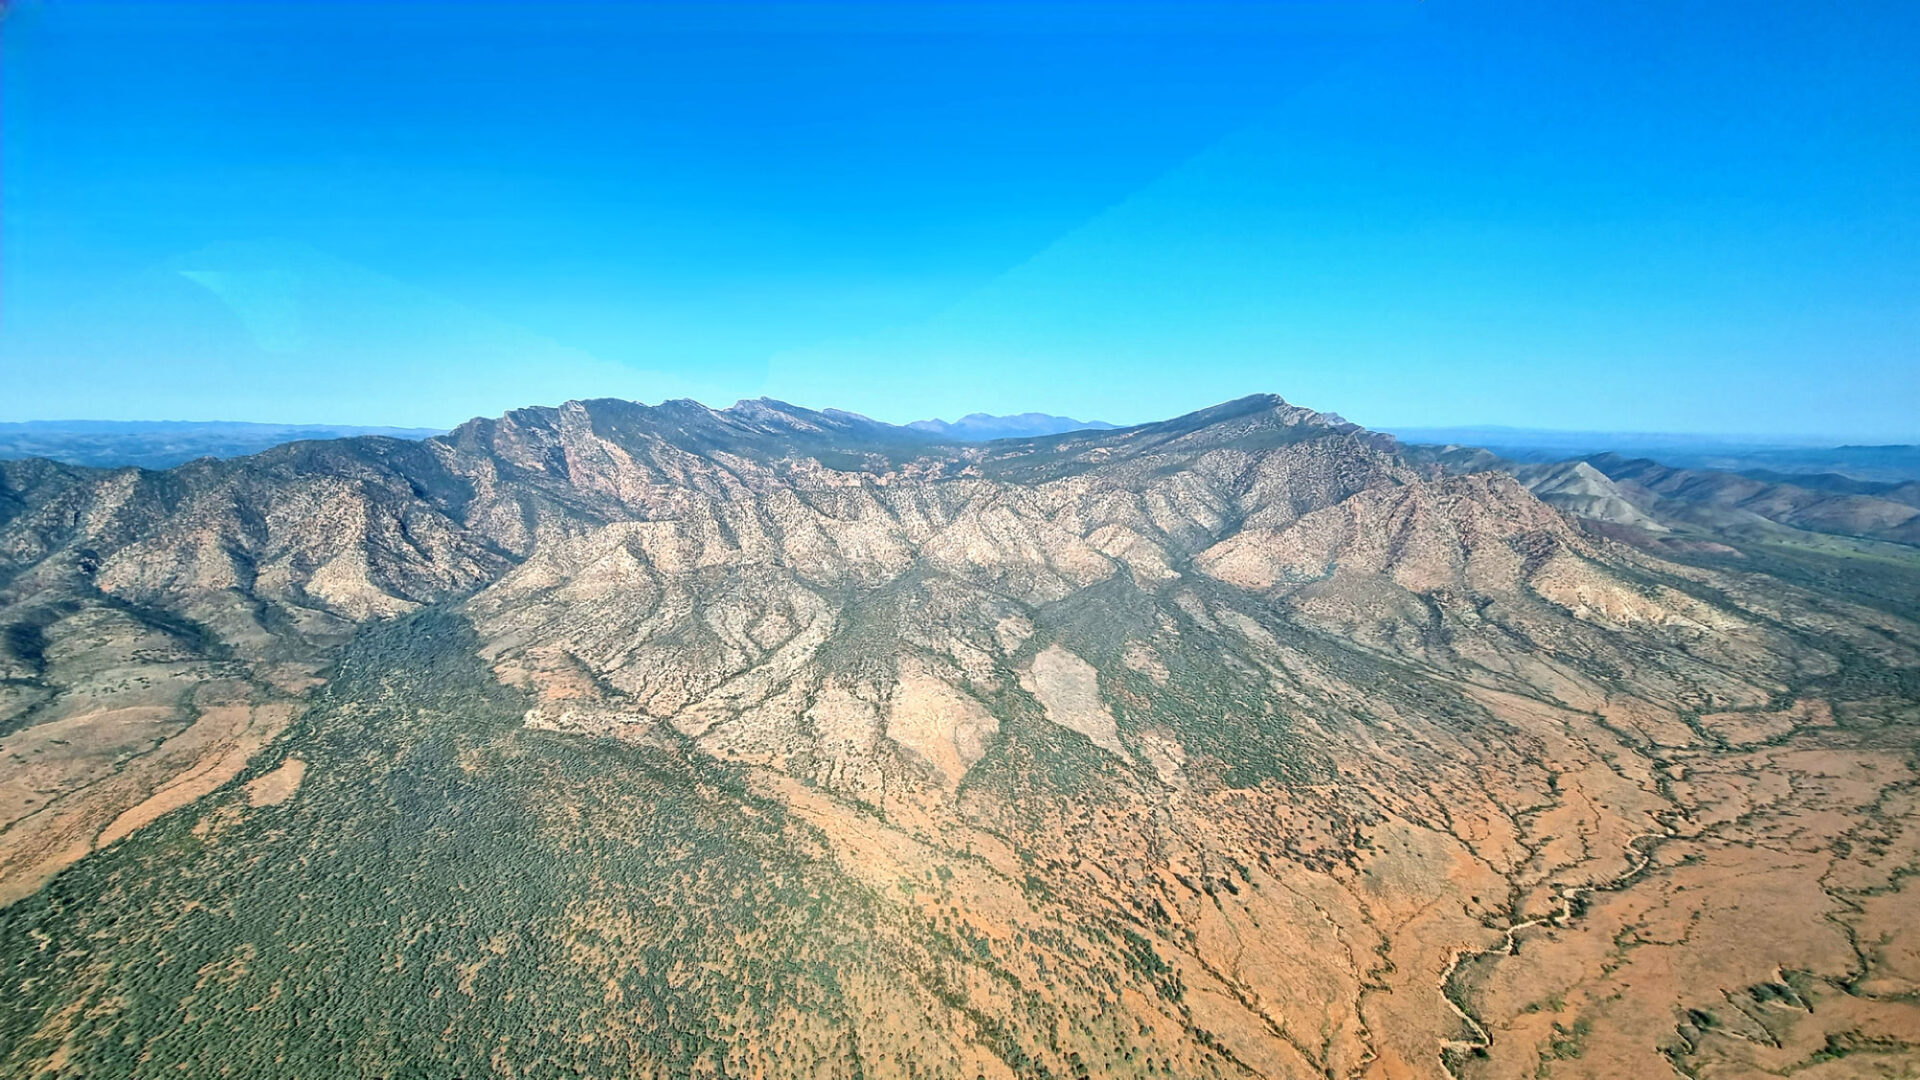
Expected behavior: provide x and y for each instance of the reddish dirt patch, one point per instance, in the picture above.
(279, 785)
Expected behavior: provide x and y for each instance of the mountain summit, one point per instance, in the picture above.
(611, 740)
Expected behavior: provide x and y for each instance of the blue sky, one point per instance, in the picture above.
(1678, 217)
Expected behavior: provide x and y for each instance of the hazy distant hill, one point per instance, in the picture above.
(1887, 464)
(1728, 453)
(1654, 499)
(161, 444)
(980, 427)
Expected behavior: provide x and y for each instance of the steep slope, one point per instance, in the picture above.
(1584, 491)
(676, 741)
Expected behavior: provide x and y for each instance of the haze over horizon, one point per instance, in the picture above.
(1461, 433)
(1685, 219)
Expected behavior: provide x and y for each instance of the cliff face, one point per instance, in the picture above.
(1237, 743)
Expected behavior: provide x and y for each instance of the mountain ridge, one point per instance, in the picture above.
(1074, 752)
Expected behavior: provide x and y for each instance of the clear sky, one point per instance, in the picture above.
(1643, 216)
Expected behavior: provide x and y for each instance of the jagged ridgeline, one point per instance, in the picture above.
(614, 740)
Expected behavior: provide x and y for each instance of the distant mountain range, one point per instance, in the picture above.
(981, 427)
(1660, 505)
(1805, 461)
(1728, 453)
(162, 444)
